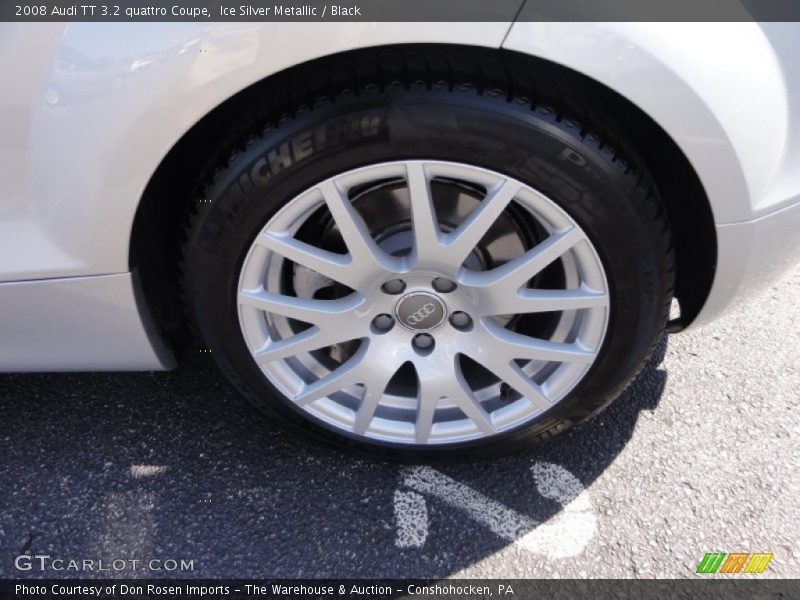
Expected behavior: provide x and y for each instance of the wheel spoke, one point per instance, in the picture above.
(364, 251)
(465, 399)
(536, 301)
(348, 373)
(306, 341)
(308, 310)
(331, 265)
(463, 240)
(517, 379)
(375, 380)
(514, 376)
(366, 410)
(440, 377)
(424, 423)
(423, 213)
(357, 370)
(517, 345)
(515, 273)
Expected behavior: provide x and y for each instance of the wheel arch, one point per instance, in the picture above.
(157, 230)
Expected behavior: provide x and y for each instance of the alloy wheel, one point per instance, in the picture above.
(423, 302)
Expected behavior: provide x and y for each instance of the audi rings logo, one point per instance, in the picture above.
(419, 315)
(420, 311)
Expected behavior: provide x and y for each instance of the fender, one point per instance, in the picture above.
(739, 149)
(96, 106)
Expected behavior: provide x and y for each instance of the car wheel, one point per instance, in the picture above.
(429, 267)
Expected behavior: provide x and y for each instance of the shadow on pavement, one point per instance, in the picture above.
(177, 465)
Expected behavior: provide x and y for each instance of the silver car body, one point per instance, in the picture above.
(88, 111)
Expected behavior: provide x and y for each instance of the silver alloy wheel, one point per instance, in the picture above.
(413, 334)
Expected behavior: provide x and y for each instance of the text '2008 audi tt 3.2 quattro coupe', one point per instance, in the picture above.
(409, 239)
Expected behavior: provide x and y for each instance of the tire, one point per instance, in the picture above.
(472, 109)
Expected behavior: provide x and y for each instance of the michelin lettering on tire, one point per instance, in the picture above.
(304, 145)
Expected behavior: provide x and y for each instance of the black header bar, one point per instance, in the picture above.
(399, 10)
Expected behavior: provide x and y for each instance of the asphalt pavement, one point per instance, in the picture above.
(699, 455)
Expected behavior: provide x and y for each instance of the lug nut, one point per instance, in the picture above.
(395, 286)
(382, 323)
(423, 341)
(443, 285)
(460, 320)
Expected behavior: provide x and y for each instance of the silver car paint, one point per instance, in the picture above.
(88, 111)
(79, 324)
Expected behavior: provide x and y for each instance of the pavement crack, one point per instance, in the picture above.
(28, 543)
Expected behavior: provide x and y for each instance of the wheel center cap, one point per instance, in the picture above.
(420, 311)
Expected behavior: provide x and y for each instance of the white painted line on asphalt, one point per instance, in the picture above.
(411, 514)
(503, 521)
(566, 534)
(139, 471)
